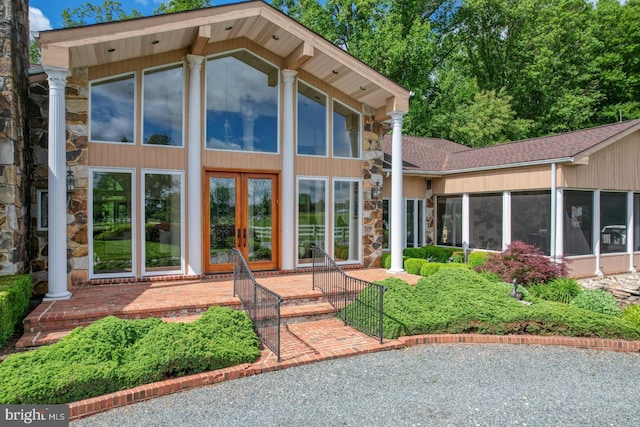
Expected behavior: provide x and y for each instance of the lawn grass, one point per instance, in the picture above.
(463, 301)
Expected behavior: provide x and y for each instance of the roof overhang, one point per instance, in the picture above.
(191, 31)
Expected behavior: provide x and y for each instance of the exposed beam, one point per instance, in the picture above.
(299, 56)
(200, 41)
(55, 56)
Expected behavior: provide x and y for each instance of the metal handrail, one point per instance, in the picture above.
(261, 304)
(357, 302)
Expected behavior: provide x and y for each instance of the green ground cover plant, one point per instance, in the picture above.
(477, 259)
(463, 301)
(15, 293)
(562, 289)
(114, 354)
(431, 268)
(631, 314)
(598, 301)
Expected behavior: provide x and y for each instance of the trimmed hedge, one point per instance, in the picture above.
(477, 259)
(631, 314)
(386, 260)
(460, 300)
(15, 293)
(413, 265)
(431, 268)
(114, 354)
(432, 253)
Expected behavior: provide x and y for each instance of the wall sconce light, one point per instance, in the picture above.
(376, 191)
(71, 182)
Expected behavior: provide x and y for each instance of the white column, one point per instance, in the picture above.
(506, 219)
(595, 227)
(630, 231)
(57, 186)
(194, 178)
(559, 224)
(397, 196)
(465, 222)
(288, 178)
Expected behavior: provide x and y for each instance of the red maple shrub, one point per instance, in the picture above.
(525, 263)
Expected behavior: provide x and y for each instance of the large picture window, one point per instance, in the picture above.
(531, 218)
(242, 103)
(346, 221)
(485, 221)
(312, 121)
(111, 110)
(578, 218)
(613, 222)
(163, 222)
(312, 214)
(346, 131)
(449, 214)
(112, 230)
(163, 107)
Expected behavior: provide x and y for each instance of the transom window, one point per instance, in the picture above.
(242, 103)
(346, 131)
(312, 121)
(163, 106)
(111, 110)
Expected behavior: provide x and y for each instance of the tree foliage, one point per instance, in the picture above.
(89, 13)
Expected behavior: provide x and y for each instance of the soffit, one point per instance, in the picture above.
(262, 24)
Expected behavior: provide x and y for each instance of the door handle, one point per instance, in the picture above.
(239, 239)
(245, 237)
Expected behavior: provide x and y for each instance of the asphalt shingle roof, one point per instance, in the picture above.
(439, 155)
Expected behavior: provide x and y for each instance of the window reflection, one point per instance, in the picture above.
(346, 132)
(163, 107)
(346, 220)
(242, 103)
(311, 217)
(312, 121)
(112, 110)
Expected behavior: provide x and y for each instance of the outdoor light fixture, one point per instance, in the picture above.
(71, 182)
(376, 191)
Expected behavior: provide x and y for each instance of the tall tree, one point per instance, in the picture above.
(89, 13)
(181, 5)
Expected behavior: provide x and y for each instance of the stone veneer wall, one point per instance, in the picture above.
(372, 155)
(77, 102)
(14, 60)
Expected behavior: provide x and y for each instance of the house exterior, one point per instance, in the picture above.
(575, 194)
(171, 139)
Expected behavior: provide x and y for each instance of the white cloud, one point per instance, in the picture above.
(37, 20)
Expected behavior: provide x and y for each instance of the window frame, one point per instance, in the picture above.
(40, 206)
(332, 130)
(134, 218)
(156, 69)
(324, 179)
(326, 120)
(418, 203)
(116, 77)
(604, 194)
(143, 175)
(278, 102)
(359, 224)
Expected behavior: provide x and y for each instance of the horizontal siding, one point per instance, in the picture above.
(614, 263)
(324, 166)
(214, 159)
(612, 168)
(582, 267)
(413, 187)
(136, 156)
(520, 179)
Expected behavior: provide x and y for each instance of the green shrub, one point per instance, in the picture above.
(415, 253)
(459, 300)
(439, 253)
(477, 259)
(458, 256)
(114, 354)
(15, 293)
(562, 289)
(598, 301)
(431, 268)
(631, 313)
(413, 265)
(386, 260)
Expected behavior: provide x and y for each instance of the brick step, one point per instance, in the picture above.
(289, 314)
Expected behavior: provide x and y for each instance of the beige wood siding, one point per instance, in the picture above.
(323, 166)
(513, 179)
(614, 263)
(636, 260)
(413, 187)
(136, 156)
(582, 267)
(612, 168)
(216, 159)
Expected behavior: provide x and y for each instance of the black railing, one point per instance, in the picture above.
(261, 304)
(357, 302)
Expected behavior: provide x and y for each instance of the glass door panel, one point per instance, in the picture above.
(222, 221)
(260, 214)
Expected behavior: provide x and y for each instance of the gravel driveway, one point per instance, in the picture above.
(457, 385)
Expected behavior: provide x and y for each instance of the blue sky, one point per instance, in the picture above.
(47, 14)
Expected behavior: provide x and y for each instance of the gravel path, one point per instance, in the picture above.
(457, 385)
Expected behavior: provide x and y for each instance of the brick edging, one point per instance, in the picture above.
(95, 405)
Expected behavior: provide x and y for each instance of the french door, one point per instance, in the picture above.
(241, 212)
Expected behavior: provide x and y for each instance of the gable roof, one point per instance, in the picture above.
(257, 21)
(433, 156)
